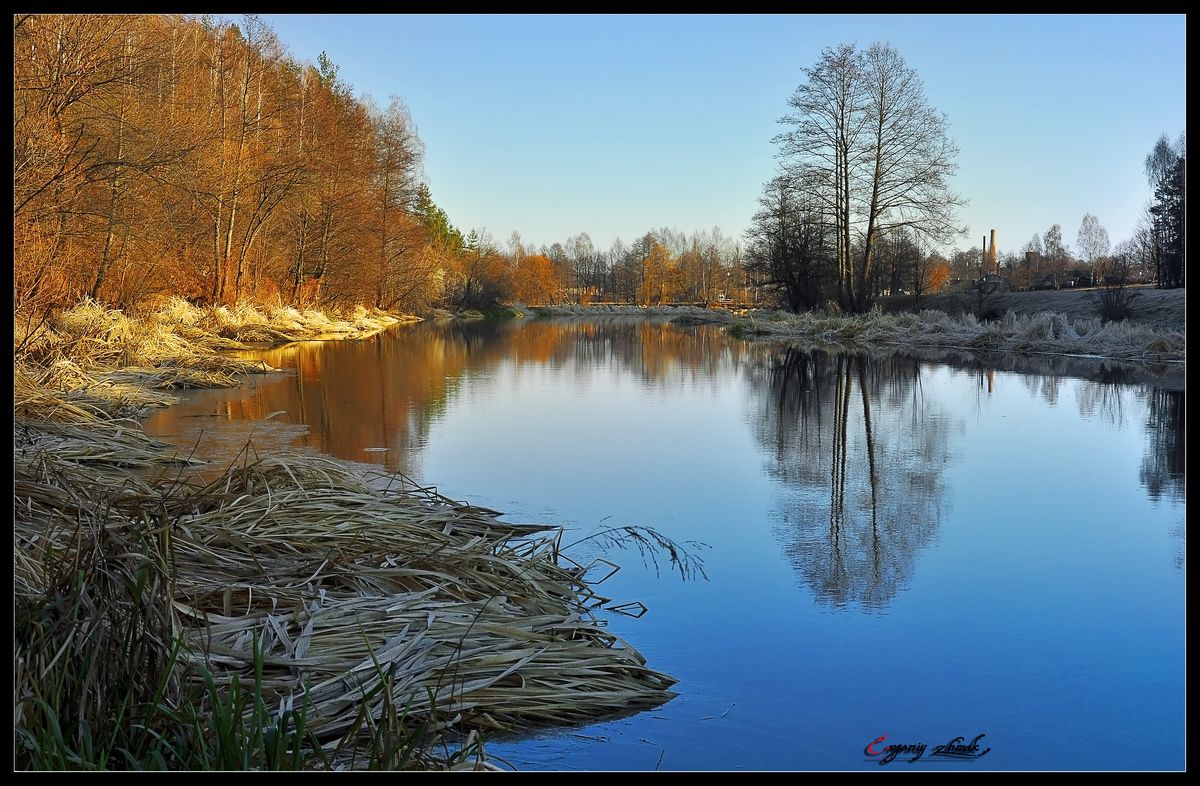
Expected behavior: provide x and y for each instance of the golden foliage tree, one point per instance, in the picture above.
(190, 156)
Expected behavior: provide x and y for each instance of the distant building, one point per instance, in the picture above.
(990, 264)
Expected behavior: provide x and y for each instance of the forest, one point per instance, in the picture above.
(191, 156)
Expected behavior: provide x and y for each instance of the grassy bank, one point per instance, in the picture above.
(289, 613)
(1162, 309)
(1039, 333)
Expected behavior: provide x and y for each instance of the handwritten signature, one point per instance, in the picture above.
(957, 748)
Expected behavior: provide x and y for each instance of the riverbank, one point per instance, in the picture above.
(289, 613)
(1162, 309)
(1046, 333)
(1033, 333)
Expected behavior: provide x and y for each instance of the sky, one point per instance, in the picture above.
(616, 125)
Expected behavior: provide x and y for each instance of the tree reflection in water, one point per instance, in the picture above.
(1162, 470)
(1163, 465)
(377, 400)
(1112, 396)
(859, 452)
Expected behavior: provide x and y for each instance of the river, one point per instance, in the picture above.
(881, 546)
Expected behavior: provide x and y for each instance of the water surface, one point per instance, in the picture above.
(915, 549)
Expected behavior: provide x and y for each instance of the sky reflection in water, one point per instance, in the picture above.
(914, 548)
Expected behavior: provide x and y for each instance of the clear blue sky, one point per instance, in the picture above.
(613, 125)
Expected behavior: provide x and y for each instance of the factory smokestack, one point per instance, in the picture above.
(993, 257)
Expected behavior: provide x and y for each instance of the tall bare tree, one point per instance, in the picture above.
(822, 149)
(865, 143)
(1093, 243)
(910, 159)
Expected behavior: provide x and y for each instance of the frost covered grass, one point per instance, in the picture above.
(102, 358)
(290, 613)
(176, 333)
(1037, 333)
(249, 323)
(359, 605)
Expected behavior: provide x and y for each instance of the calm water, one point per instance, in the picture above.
(917, 549)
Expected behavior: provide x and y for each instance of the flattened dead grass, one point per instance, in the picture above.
(1047, 333)
(360, 603)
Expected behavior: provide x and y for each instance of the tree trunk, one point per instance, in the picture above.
(114, 189)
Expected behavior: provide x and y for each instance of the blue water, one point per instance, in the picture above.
(1014, 570)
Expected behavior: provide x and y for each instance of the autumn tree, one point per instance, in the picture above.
(400, 272)
(323, 225)
(938, 272)
(194, 156)
(929, 274)
(660, 276)
(536, 281)
(70, 75)
(483, 279)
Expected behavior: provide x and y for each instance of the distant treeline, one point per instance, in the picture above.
(169, 154)
(165, 154)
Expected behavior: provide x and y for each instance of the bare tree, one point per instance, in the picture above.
(911, 159)
(873, 154)
(1057, 253)
(1093, 243)
(823, 150)
(789, 250)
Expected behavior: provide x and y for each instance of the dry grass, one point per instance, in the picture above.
(174, 334)
(1039, 333)
(252, 324)
(472, 623)
(375, 609)
(1162, 309)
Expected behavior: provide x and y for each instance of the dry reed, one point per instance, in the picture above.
(318, 585)
(1037, 333)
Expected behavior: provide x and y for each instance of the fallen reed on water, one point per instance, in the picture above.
(287, 613)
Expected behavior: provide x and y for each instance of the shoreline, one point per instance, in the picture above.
(1039, 333)
(1044, 333)
(264, 580)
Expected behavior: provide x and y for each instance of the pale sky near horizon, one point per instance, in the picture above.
(616, 125)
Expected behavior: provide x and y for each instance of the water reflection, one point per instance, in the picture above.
(376, 401)
(857, 448)
(1107, 396)
(1052, 574)
(859, 451)
(1111, 397)
(1162, 470)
